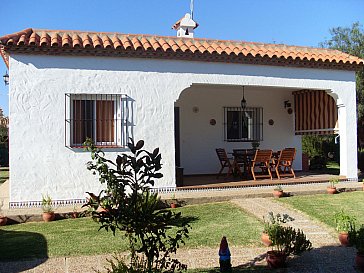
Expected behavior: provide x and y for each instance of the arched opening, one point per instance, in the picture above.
(205, 116)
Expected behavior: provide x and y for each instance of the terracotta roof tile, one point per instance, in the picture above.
(21, 40)
(86, 41)
(154, 43)
(126, 43)
(97, 42)
(66, 40)
(113, 44)
(76, 40)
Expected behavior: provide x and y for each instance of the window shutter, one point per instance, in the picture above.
(82, 120)
(315, 113)
(104, 121)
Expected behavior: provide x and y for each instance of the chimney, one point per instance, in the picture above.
(185, 26)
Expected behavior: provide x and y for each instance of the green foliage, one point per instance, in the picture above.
(288, 240)
(47, 205)
(119, 265)
(285, 239)
(255, 144)
(356, 237)
(333, 181)
(131, 208)
(344, 222)
(278, 188)
(274, 220)
(351, 40)
(317, 146)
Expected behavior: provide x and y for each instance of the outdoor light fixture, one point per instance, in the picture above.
(6, 78)
(243, 101)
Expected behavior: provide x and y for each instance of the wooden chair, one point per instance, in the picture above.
(283, 166)
(262, 160)
(225, 162)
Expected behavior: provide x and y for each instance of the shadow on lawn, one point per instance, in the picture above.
(332, 258)
(20, 245)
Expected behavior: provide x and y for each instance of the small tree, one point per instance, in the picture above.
(130, 207)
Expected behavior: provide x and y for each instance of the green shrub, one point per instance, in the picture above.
(130, 207)
(344, 222)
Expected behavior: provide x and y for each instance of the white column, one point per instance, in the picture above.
(348, 140)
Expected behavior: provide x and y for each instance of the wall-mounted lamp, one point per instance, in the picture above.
(6, 78)
(287, 104)
(243, 101)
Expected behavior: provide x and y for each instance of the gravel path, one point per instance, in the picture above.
(327, 255)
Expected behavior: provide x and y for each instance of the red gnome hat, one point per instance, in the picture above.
(224, 244)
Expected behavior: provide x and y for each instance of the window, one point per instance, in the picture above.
(98, 117)
(242, 125)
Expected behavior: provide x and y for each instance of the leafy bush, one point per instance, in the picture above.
(356, 237)
(344, 222)
(275, 220)
(319, 147)
(120, 265)
(333, 181)
(47, 204)
(288, 240)
(130, 207)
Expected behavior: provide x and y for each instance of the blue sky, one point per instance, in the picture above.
(293, 22)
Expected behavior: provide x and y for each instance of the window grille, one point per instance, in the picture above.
(243, 126)
(101, 117)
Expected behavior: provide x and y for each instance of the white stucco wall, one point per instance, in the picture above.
(40, 162)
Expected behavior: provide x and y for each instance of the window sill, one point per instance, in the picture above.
(97, 146)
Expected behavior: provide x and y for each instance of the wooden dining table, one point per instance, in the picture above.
(242, 159)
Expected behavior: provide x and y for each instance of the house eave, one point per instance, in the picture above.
(5, 51)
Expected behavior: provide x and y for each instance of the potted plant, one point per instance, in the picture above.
(331, 189)
(74, 213)
(344, 225)
(278, 191)
(48, 209)
(174, 201)
(269, 224)
(357, 239)
(3, 218)
(255, 145)
(285, 241)
(105, 204)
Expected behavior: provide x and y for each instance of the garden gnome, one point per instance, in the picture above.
(224, 253)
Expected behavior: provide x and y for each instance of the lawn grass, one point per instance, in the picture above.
(73, 237)
(221, 219)
(323, 206)
(4, 174)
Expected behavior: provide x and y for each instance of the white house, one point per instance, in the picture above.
(66, 85)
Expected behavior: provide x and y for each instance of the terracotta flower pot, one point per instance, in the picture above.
(276, 259)
(344, 239)
(173, 205)
(331, 190)
(359, 261)
(277, 194)
(48, 216)
(265, 239)
(3, 220)
(74, 214)
(101, 209)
